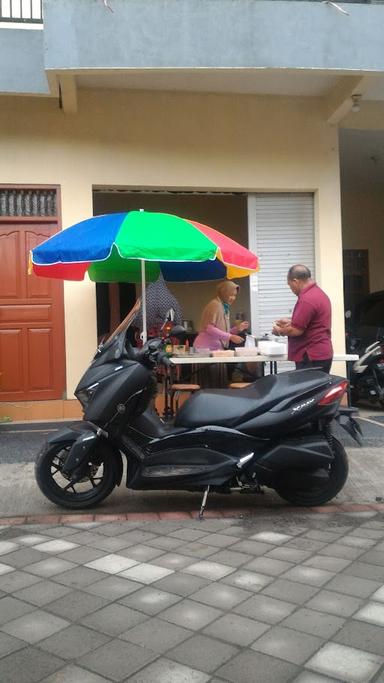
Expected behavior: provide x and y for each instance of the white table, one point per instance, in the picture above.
(196, 359)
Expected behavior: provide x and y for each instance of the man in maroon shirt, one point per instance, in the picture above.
(309, 330)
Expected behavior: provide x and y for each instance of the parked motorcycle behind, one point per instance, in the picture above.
(276, 433)
(367, 377)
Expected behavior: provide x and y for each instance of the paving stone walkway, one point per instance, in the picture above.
(275, 597)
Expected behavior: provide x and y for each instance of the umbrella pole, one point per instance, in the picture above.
(144, 302)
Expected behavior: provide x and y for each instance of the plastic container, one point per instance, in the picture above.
(246, 351)
(272, 348)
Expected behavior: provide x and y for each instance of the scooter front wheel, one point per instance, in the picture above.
(317, 488)
(97, 483)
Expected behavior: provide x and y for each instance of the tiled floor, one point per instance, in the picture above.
(276, 597)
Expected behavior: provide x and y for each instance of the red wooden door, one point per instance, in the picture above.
(32, 347)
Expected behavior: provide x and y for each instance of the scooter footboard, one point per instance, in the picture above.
(300, 453)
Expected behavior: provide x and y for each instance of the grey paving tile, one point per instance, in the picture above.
(289, 554)
(312, 677)
(247, 580)
(113, 619)
(111, 564)
(361, 636)
(368, 533)
(74, 674)
(29, 665)
(353, 585)
(146, 573)
(219, 540)
(221, 596)
(150, 600)
(265, 608)
(274, 537)
(165, 671)
(366, 571)
(12, 608)
(373, 612)
(320, 535)
(297, 592)
(230, 557)
(209, 570)
(181, 584)
(268, 565)
(208, 652)
(378, 595)
(5, 569)
(34, 626)
(23, 557)
(113, 587)
(59, 531)
(166, 543)
(56, 546)
(197, 549)
(331, 564)
(347, 663)
(84, 538)
(50, 567)
(110, 544)
(339, 550)
(173, 561)
(42, 593)
(357, 541)
(7, 547)
(309, 575)
(236, 629)
(80, 577)
(335, 603)
(164, 526)
(82, 554)
(9, 644)
(187, 534)
(76, 604)
(141, 552)
(73, 642)
(373, 557)
(15, 580)
(156, 635)
(315, 623)
(113, 528)
(243, 667)
(252, 547)
(117, 659)
(305, 544)
(190, 614)
(285, 643)
(137, 536)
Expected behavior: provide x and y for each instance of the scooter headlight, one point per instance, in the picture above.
(85, 395)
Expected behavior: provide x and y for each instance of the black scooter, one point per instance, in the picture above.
(276, 433)
(367, 377)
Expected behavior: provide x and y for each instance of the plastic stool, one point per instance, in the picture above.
(177, 389)
(239, 385)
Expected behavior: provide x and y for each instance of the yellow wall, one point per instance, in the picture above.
(363, 224)
(174, 141)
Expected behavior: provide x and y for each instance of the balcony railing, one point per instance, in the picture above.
(21, 11)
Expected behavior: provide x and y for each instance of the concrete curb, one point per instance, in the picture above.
(184, 515)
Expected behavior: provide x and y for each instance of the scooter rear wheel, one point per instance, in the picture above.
(291, 488)
(97, 483)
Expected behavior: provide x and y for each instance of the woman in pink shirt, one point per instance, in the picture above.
(215, 329)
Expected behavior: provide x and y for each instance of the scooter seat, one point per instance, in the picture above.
(230, 407)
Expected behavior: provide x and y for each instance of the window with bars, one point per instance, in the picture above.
(21, 11)
(28, 202)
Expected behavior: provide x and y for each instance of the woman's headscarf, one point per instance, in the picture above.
(226, 289)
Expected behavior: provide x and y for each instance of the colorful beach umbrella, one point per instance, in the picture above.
(138, 246)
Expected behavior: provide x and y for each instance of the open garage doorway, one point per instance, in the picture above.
(225, 211)
(362, 211)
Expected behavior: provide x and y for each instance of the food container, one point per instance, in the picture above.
(222, 353)
(246, 351)
(202, 352)
(272, 348)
